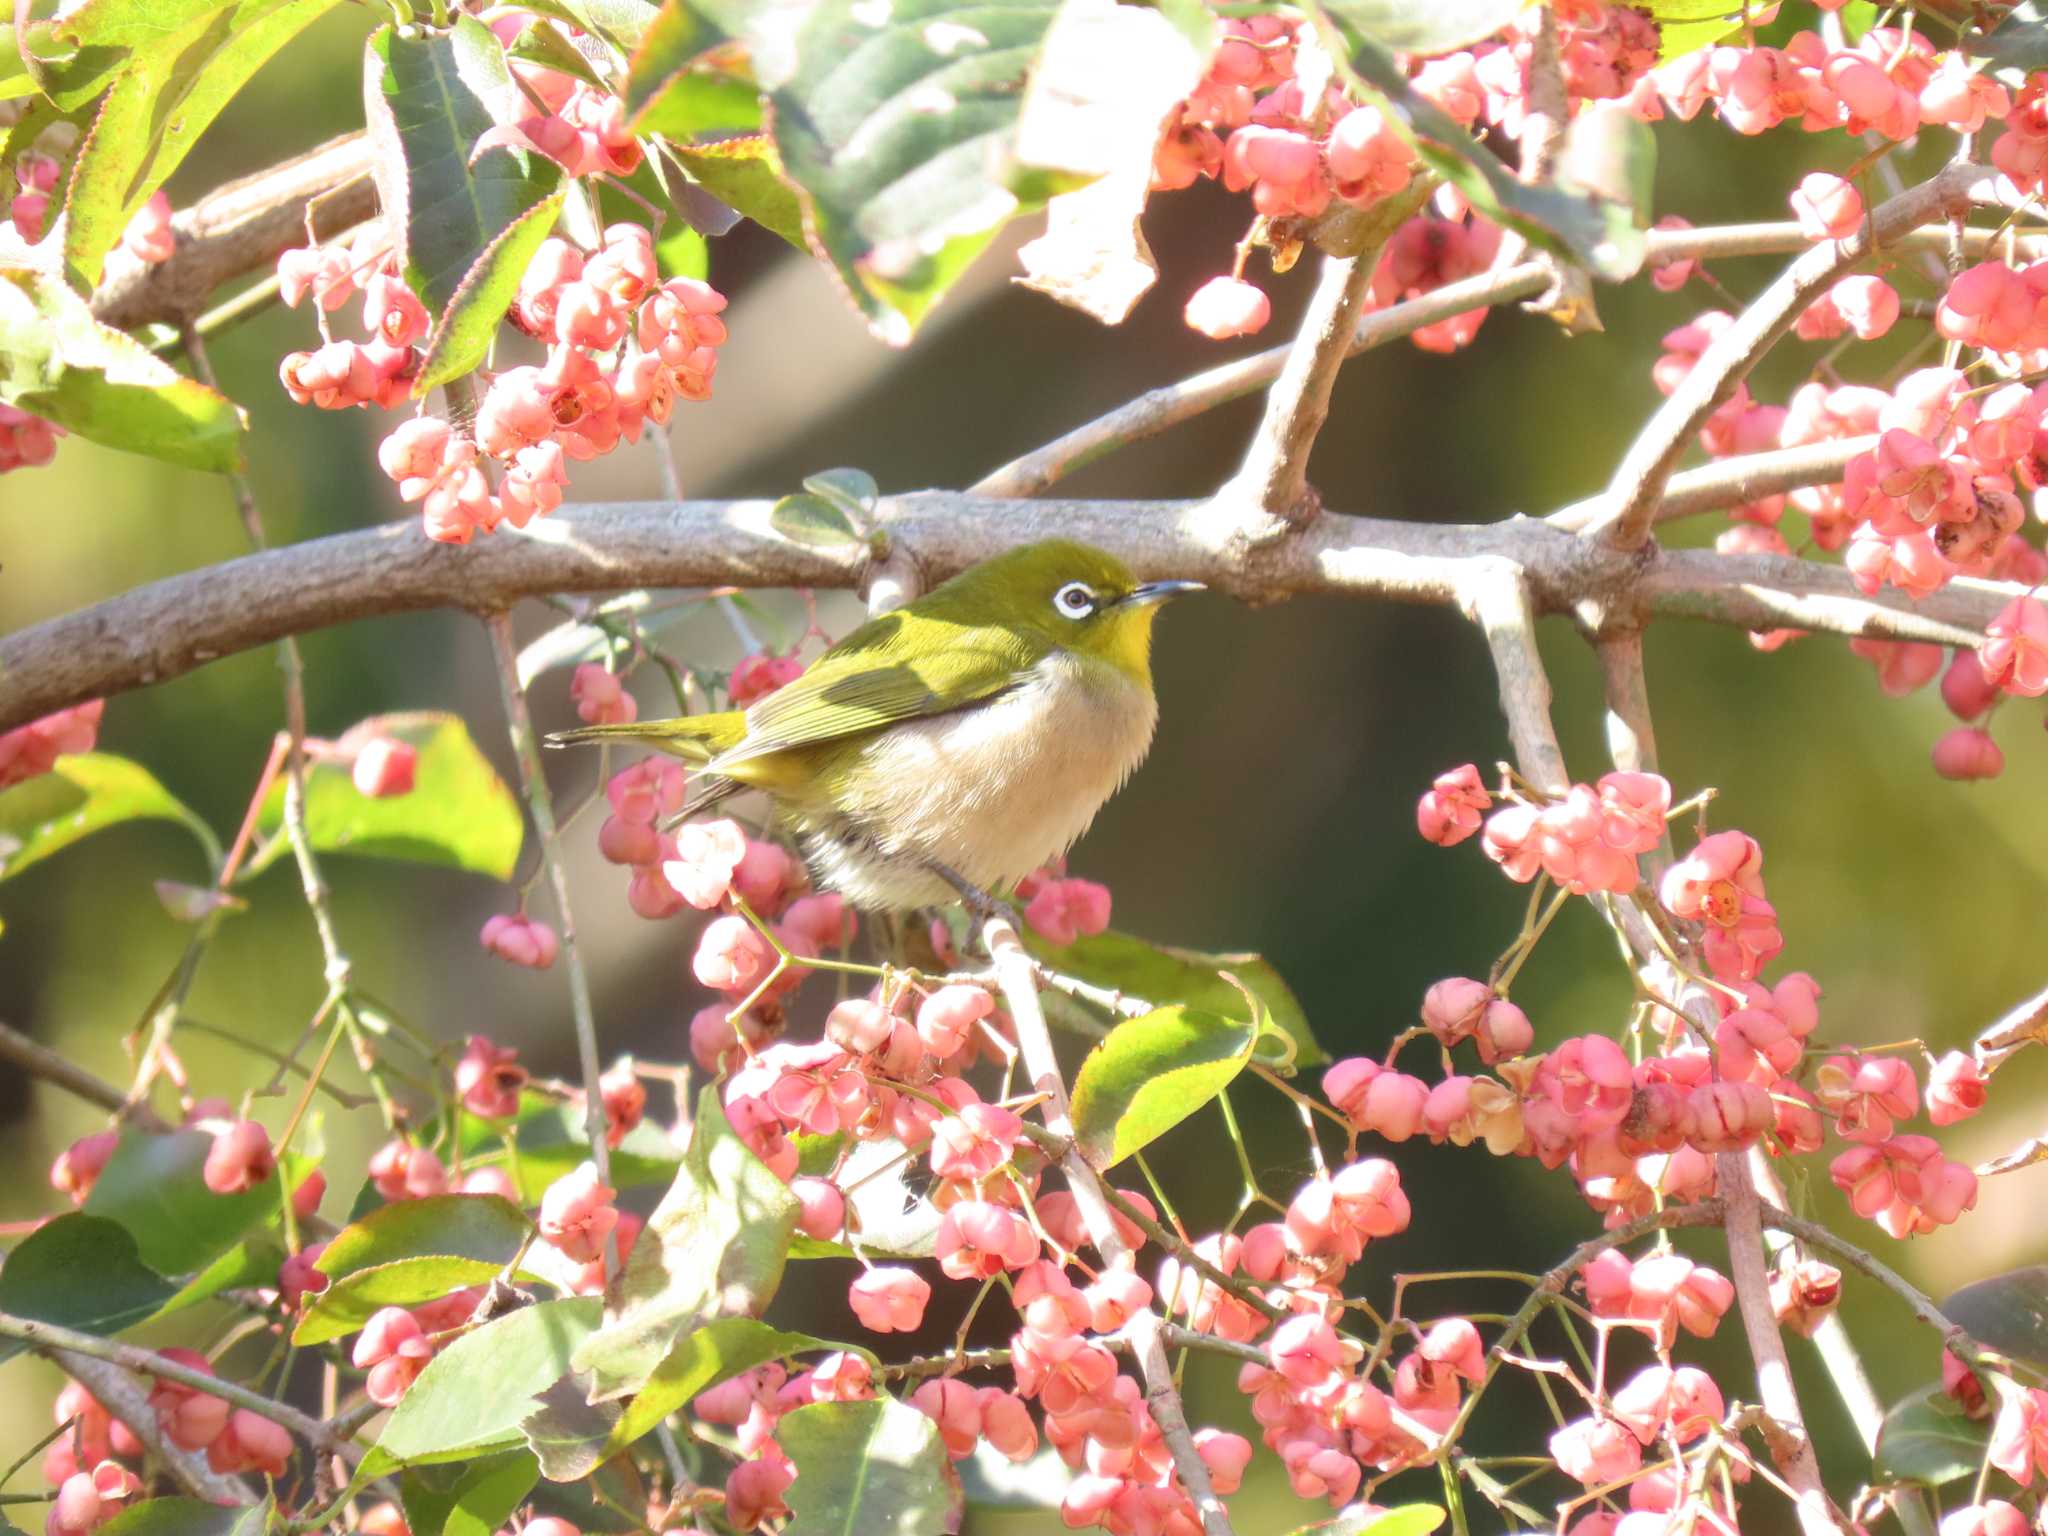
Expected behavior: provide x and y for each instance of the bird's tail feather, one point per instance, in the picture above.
(696, 739)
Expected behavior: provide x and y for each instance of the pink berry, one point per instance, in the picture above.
(1225, 307)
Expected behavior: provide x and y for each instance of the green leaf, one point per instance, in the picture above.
(1161, 974)
(166, 97)
(81, 1272)
(567, 1433)
(683, 252)
(188, 1517)
(700, 102)
(1402, 1520)
(853, 491)
(1426, 26)
(2018, 45)
(487, 1227)
(2008, 1313)
(348, 1304)
(745, 176)
(80, 796)
(430, 98)
(701, 1359)
(155, 1186)
(1927, 1438)
(681, 43)
(59, 363)
(253, 1261)
(812, 520)
(473, 1394)
(465, 330)
(487, 1492)
(622, 23)
(1151, 1074)
(413, 1251)
(1612, 153)
(876, 1468)
(458, 813)
(714, 1247)
(72, 57)
(897, 126)
(1596, 233)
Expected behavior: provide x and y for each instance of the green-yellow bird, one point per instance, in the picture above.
(970, 736)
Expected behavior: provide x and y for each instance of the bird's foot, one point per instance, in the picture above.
(978, 902)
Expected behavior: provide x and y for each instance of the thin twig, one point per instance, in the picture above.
(127, 1399)
(1638, 483)
(1015, 973)
(540, 804)
(38, 1060)
(45, 1337)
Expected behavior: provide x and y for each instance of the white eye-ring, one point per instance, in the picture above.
(1076, 600)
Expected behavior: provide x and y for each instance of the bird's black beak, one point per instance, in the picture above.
(1159, 591)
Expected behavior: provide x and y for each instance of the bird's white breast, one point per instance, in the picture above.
(991, 791)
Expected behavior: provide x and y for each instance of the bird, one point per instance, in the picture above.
(948, 748)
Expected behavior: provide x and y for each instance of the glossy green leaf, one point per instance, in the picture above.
(866, 1469)
(682, 40)
(58, 362)
(1150, 1074)
(167, 95)
(700, 1360)
(812, 520)
(410, 1252)
(1161, 974)
(897, 125)
(81, 1272)
(744, 175)
(2008, 1313)
(252, 1262)
(1686, 26)
(2018, 45)
(472, 1395)
(568, 1433)
(80, 796)
(1402, 1520)
(1927, 1438)
(487, 1493)
(465, 330)
(486, 1227)
(714, 1247)
(155, 1186)
(1426, 26)
(348, 1304)
(1598, 234)
(188, 1517)
(431, 97)
(458, 813)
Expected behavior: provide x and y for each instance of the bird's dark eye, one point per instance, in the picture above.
(1076, 600)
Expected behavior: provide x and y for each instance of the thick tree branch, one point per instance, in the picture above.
(244, 227)
(1018, 977)
(169, 627)
(1638, 483)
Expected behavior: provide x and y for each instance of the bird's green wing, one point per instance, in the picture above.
(879, 675)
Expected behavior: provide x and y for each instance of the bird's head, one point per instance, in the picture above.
(1069, 596)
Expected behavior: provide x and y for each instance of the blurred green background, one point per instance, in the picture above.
(1275, 813)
